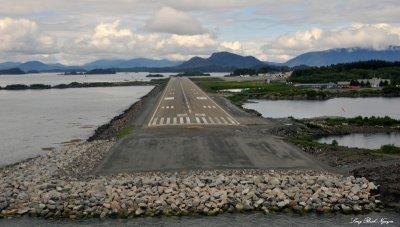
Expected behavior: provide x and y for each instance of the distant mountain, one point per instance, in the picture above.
(43, 67)
(345, 55)
(9, 65)
(12, 71)
(221, 60)
(131, 63)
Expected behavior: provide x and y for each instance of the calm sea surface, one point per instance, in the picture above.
(368, 141)
(388, 218)
(34, 119)
(346, 107)
(56, 78)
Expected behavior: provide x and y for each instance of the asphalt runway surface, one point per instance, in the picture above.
(184, 103)
(183, 128)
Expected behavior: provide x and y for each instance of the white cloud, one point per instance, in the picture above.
(111, 40)
(22, 36)
(211, 4)
(170, 20)
(374, 36)
(235, 46)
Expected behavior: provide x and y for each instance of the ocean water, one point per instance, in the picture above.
(345, 107)
(34, 119)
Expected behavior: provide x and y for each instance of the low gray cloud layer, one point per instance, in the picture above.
(75, 31)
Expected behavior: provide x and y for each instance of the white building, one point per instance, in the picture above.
(374, 81)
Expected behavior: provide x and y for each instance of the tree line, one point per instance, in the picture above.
(348, 72)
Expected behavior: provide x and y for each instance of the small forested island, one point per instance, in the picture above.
(73, 73)
(154, 76)
(12, 71)
(101, 71)
(193, 73)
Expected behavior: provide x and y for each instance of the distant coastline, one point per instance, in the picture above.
(81, 85)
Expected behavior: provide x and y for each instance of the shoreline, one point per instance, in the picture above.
(377, 167)
(380, 168)
(111, 129)
(19, 87)
(61, 184)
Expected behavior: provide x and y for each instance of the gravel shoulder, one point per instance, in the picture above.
(61, 184)
(382, 169)
(56, 186)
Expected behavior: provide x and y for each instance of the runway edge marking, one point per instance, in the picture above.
(159, 102)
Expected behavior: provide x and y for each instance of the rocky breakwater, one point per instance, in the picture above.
(60, 185)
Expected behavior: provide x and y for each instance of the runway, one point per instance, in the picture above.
(182, 128)
(183, 103)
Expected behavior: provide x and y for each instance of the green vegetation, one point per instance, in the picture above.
(390, 90)
(259, 89)
(308, 141)
(348, 72)
(101, 71)
(124, 132)
(265, 69)
(390, 149)
(363, 121)
(155, 76)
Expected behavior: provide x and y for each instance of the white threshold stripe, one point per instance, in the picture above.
(216, 104)
(211, 120)
(204, 120)
(154, 121)
(167, 87)
(223, 119)
(229, 119)
(187, 120)
(174, 121)
(198, 120)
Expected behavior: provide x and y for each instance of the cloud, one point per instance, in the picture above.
(111, 40)
(22, 36)
(294, 13)
(374, 36)
(235, 46)
(172, 21)
(211, 4)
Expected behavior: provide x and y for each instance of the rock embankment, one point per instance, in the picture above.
(59, 185)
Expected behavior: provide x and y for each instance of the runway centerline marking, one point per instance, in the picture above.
(189, 100)
(184, 96)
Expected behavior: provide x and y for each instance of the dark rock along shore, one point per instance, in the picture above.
(383, 170)
(61, 184)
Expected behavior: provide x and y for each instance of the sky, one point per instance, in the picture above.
(74, 32)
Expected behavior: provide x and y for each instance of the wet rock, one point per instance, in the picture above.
(58, 185)
(283, 203)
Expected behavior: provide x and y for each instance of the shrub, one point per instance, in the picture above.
(390, 149)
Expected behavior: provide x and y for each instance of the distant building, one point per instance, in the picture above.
(375, 82)
(279, 76)
(317, 85)
(343, 84)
